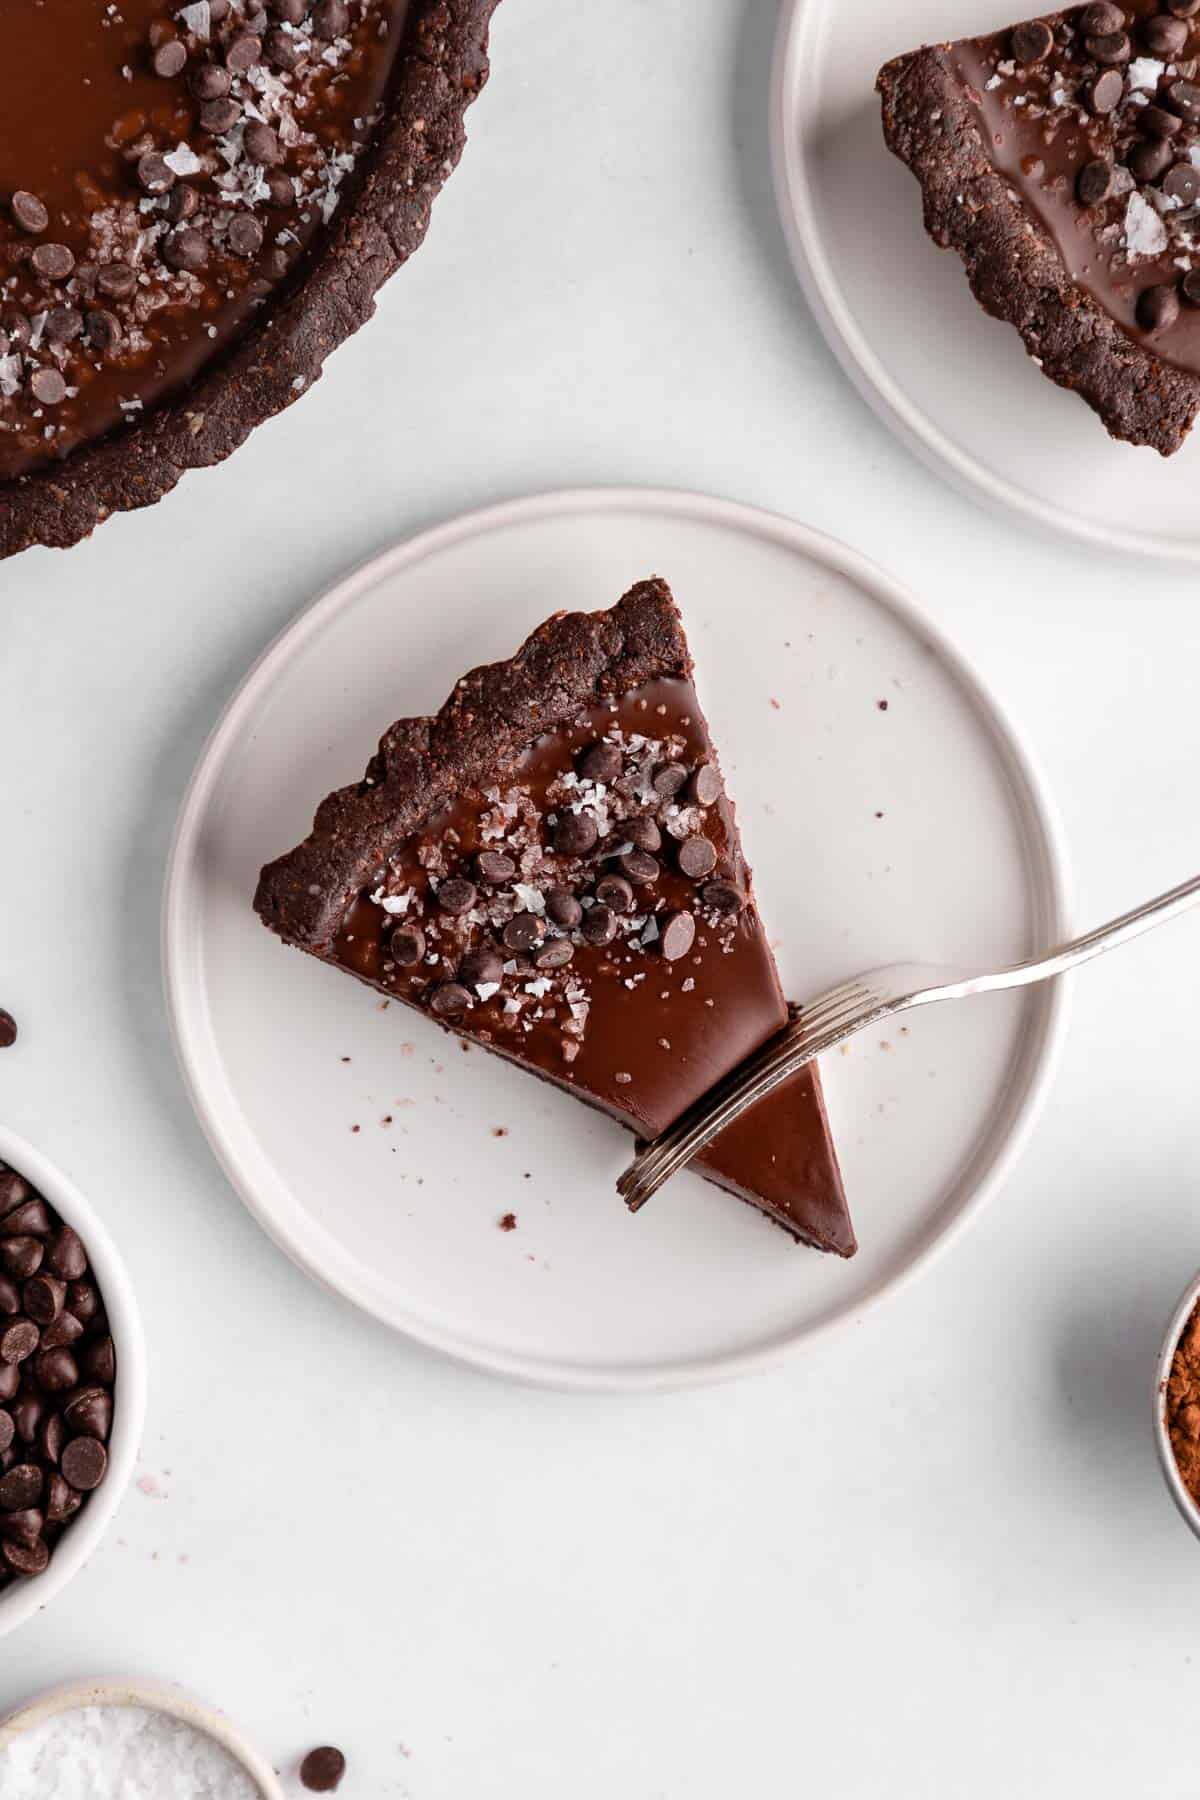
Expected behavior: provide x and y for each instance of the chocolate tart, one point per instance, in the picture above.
(198, 204)
(1061, 159)
(550, 867)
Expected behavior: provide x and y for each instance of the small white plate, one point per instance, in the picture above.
(956, 385)
(915, 831)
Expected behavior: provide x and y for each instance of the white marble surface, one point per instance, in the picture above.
(933, 1557)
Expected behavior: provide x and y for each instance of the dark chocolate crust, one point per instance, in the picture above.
(440, 71)
(573, 661)
(1012, 264)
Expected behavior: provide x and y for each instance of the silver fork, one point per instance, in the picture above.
(852, 1007)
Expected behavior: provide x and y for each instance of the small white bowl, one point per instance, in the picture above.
(1188, 1509)
(22, 1599)
(154, 1696)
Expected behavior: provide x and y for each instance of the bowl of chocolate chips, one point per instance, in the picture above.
(72, 1380)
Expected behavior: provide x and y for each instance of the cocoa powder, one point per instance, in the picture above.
(1183, 1405)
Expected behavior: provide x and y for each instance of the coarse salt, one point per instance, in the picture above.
(120, 1753)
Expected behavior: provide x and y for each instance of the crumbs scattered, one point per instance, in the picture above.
(345, 1059)
(148, 1485)
(775, 703)
(879, 815)
(499, 1130)
(508, 1222)
(356, 1128)
(464, 1046)
(882, 705)
(386, 1119)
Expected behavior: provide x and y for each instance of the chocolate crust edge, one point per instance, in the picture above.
(1014, 269)
(573, 661)
(442, 68)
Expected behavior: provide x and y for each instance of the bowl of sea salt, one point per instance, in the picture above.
(127, 1740)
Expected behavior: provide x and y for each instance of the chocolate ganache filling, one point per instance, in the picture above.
(162, 170)
(1093, 116)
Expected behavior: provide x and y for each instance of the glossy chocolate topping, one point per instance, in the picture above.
(1100, 136)
(621, 957)
(161, 171)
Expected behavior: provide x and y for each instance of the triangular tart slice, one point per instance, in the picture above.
(550, 867)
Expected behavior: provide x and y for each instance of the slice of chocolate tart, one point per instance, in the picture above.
(198, 203)
(1061, 159)
(550, 867)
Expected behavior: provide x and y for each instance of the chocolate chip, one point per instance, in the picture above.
(697, 858)
(185, 250)
(642, 833)
(63, 325)
(1189, 287)
(704, 789)
(1183, 95)
(554, 953)
(1157, 122)
(322, 1769)
(1110, 49)
(51, 1437)
(563, 907)
(7, 1430)
(28, 1412)
(67, 1255)
(330, 19)
(1183, 9)
(1102, 18)
(242, 53)
(21, 1256)
(182, 202)
(48, 386)
(1183, 183)
(521, 932)
(1157, 307)
(280, 190)
(600, 762)
(678, 935)
(66, 1329)
(722, 897)
(668, 780)
(261, 144)
(282, 50)
(1094, 181)
(1146, 161)
(10, 1380)
(103, 329)
(1164, 37)
(55, 1370)
(61, 1499)
(89, 1412)
(457, 896)
(23, 1527)
(26, 1559)
(1102, 94)
(54, 262)
(99, 1360)
(84, 1301)
(43, 1295)
(290, 12)
(83, 1463)
(449, 997)
(29, 212)
(10, 1299)
(21, 1487)
(480, 966)
(18, 1341)
(24, 1215)
(599, 925)
(155, 175)
(170, 59)
(1030, 43)
(575, 834)
(616, 892)
(118, 280)
(218, 116)
(639, 867)
(494, 867)
(245, 235)
(406, 946)
(209, 81)
(8, 1030)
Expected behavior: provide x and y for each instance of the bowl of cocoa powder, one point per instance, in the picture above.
(1177, 1407)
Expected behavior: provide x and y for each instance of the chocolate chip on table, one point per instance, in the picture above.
(406, 946)
(1182, 183)
(563, 908)
(29, 212)
(1111, 49)
(481, 966)
(1157, 122)
(449, 997)
(1183, 95)
(599, 924)
(1102, 94)
(615, 892)
(48, 387)
(1101, 19)
(642, 833)
(8, 1030)
(457, 896)
(54, 262)
(668, 780)
(1164, 36)
(639, 867)
(1094, 181)
(521, 932)
(170, 59)
(494, 867)
(1147, 161)
(677, 936)
(697, 858)
(1157, 307)
(322, 1769)
(1030, 43)
(600, 762)
(575, 834)
(84, 1462)
(554, 953)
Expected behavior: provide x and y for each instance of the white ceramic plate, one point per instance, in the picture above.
(915, 831)
(956, 385)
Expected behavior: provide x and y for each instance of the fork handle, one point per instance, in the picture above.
(1094, 943)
